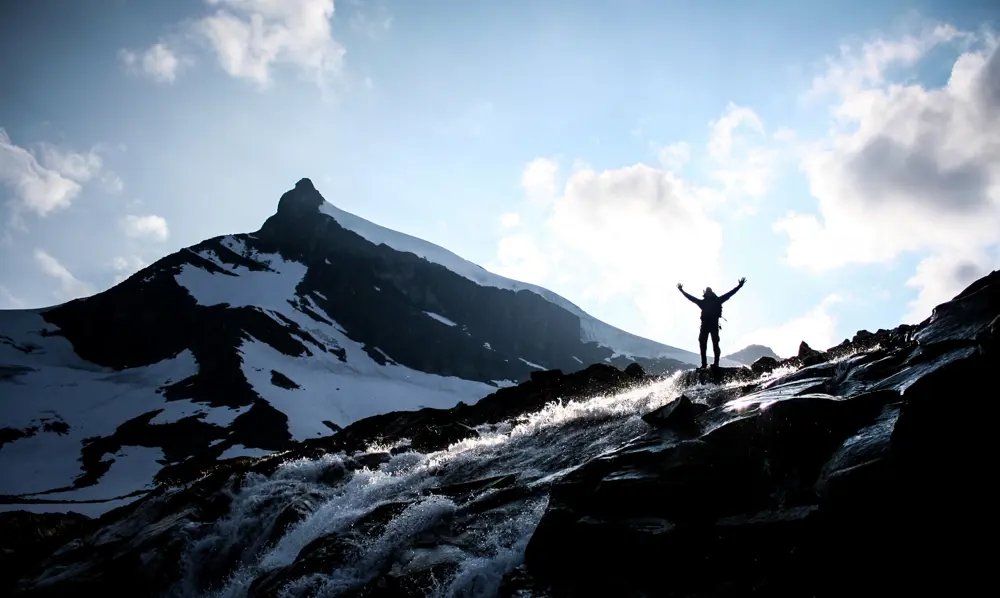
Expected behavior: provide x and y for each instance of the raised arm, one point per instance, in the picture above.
(691, 298)
(728, 295)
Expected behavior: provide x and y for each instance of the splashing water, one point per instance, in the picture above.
(538, 448)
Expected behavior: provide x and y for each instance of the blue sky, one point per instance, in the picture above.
(840, 155)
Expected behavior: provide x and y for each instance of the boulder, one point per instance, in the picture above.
(677, 414)
(635, 371)
(764, 365)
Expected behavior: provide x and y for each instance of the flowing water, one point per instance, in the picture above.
(538, 447)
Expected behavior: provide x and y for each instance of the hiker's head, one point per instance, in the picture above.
(708, 292)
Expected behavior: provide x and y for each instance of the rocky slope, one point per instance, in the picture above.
(853, 471)
(245, 344)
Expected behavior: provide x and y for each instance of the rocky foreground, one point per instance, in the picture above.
(858, 470)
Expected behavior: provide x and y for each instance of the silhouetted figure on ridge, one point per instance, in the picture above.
(711, 311)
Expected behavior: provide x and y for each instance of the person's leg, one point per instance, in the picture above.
(715, 345)
(702, 342)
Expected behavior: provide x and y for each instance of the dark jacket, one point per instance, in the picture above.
(711, 305)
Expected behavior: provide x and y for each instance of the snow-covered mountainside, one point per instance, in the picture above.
(246, 343)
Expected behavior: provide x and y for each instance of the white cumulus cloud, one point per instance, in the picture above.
(539, 179)
(629, 233)
(50, 179)
(250, 37)
(510, 220)
(919, 168)
(908, 168)
(149, 226)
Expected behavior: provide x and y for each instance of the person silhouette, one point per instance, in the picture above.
(711, 311)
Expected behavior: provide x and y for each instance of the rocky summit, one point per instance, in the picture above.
(857, 470)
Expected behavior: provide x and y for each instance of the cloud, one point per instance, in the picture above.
(745, 162)
(539, 179)
(157, 62)
(908, 169)
(510, 220)
(817, 327)
(126, 266)
(48, 180)
(149, 226)
(112, 183)
(69, 286)
(250, 37)
(616, 235)
(38, 189)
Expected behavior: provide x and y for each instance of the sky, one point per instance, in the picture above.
(843, 156)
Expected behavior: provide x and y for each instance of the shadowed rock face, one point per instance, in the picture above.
(858, 469)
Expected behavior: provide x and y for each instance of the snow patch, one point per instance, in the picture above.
(238, 450)
(441, 318)
(49, 460)
(534, 365)
(268, 289)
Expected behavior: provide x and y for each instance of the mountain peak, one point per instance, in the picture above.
(304, 199)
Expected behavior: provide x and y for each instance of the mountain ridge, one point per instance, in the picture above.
(242, 344)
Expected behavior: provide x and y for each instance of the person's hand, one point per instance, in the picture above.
(680, 287)
(743, 280)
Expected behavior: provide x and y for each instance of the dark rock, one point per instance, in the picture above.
(808, 356)
(282, 381)
(372, 460)
(544, 377)
(764, 365)
(678, 414)
(713, 375)
(965, 316)
(28, 538)
(635, 371)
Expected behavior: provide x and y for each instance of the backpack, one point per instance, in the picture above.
(712, 309)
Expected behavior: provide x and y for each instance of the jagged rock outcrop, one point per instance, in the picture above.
(865, 472)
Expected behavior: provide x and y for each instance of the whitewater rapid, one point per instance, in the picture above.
(538, 447)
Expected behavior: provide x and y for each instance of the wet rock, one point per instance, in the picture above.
(715, 375)
(764, 365)
(372, 460)
(678, 414)
(965, 316)
(808, 356)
